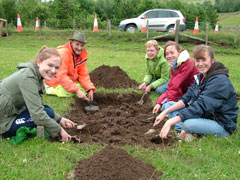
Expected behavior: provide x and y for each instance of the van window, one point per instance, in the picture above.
(151, 14)
(164, 14)
(174, 14)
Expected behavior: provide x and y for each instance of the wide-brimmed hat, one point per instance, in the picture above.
(78, 36)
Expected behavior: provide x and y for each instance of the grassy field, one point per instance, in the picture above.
(195, 1)
(205, 158)
(229, 18)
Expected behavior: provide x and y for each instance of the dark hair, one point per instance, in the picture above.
(172, 43)
(45, 53)
(199, 52)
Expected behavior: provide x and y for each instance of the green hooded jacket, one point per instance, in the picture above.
(23, 89)
(157, 68)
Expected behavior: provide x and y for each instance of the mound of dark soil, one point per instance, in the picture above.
(119, 121)
(111, 78)
(114, 164)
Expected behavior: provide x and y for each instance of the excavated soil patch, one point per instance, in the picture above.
(111, 78)
(113, 163)
(119, 121)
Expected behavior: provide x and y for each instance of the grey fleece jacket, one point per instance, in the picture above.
(23, 90)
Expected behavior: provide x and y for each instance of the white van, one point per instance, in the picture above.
(158, 19)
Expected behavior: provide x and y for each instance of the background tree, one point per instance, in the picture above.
(8, 10)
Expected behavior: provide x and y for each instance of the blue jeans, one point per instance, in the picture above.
(162, 88)
(196, 125)
(24, 119)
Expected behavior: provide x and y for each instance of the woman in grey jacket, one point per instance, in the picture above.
(21, 97)
(210, 104)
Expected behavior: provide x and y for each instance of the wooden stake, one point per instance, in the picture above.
(177, 31)
(109, 28)
(147, 29)
(206, 41)
(40, 132)
(236, 33)
(74, 25)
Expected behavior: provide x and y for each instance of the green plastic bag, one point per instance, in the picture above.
(25, 132)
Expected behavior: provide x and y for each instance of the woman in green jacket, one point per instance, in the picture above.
(21, 97)
(158, 69)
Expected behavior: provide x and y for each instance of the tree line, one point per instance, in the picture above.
(60, 13)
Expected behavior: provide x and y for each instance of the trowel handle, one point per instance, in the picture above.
(143, 96)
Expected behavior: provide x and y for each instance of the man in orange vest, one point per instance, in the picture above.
(72, 76)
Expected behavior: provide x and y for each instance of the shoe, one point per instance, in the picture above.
(185, 136)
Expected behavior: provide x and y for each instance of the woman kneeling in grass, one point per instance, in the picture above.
(210, 104)
(182, 75)
(157, 69)
(21, 97)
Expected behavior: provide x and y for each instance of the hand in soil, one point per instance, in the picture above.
(143, 86)
(90, 95)
(148, 89)
(165, 130)
(156, 108)
(160, 118)
(81, 95)
(65, 137)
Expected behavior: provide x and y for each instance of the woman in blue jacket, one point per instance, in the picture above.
(210, 104)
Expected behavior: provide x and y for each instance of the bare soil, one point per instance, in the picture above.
(114, 164)
(111, 78)
(120, 121)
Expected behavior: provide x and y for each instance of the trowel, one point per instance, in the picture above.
(75, 139)
(140, 102)
(91, 107)
(79, 127)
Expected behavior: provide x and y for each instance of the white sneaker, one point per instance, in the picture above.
(185, 136)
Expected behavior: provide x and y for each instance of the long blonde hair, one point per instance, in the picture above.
(45, 53)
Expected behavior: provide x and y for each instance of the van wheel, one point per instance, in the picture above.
(131, 28)
(170, 28)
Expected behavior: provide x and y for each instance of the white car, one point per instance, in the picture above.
(158, 19)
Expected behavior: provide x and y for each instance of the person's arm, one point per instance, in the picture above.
(179, 105)
(66, 123)
(181, 81)
(84, 78)
(164, 77)
(211, 98)
(62, 75)
(30, 92)
(159, 103)
(148, 75)
(167, 126)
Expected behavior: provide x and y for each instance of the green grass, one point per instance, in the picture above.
(205, 158)
(229, 18)
(195, 1)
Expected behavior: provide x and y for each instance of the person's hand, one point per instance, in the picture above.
(90, 95)
(165, 130)
(66, 123)
(81, 95)
(148, 89)
(143, 86)
(156, 108)
(65, 137)
(160, 118)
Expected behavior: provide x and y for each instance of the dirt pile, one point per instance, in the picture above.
(111, 78)
(119, 121)
(113, 163)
